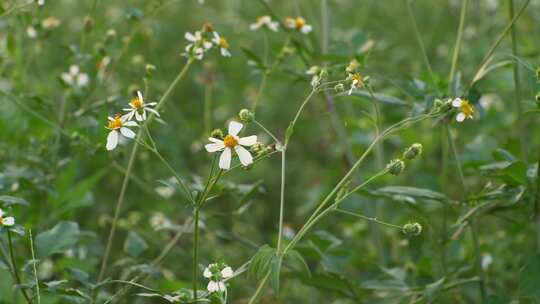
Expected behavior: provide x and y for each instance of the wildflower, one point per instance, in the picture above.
(159, 221)
(217, 273)
(413, 151)
(75, 78)
(198, 45)
(138, 108)
(298, 24)
(352, 66)
(31, 32)
(466, 110)
(6, 221)
(357, 82)
(50, 23)
(222, 44)
(41, 2)
(487, 260)
(395, 166)
(264, 21)
(232, 141)
(313, 70)
(118, 126)
(412, 229)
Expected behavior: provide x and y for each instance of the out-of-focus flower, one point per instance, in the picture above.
(356, 82)
(222, 44)
(197, 46)
(31, 32)
(75, 77)
(6, 221)
(118, 126)
(264, 21)
(217, 274)
(50, 23)
(298, 24)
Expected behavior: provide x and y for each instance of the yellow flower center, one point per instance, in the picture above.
(466, 108)
(358, 79)
(116, 123)
(223, 43)
(300, 22)
(230, 141)
(136, 103)
(1, 221)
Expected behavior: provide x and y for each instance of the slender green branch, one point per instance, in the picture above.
(15, 268)
(34, 267)
(457, 46)
(260, 288)
(281, 202)
(367, 218)
(266, 130)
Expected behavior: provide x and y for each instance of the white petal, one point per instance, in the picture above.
(139, 94)
(225, 159)
(189, 36)
(248, 141)
(225, 53)
(152, 111)
(215, 286)
(244, 155)
(83, 80)
(306, 29)
(227, 272)
(74, 69)
(207, 45)
(235, 127)
(67, 78)
(130, 123)
(138, 116)
(254, 26)
(215, 140)
(273, 26)
(460, 117)
(457, 102)
(214, 147)
(112, 140)
(221, 287)
(127, 132)
(144, 114)
(1, 213)
(8, 221)
(207, 274)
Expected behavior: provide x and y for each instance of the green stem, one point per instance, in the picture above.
(266, 130)
(195, 271)
(15, 268)
(457, 46)
(207, 109)
(260, 288)
(281, 202)
(293, 122)
(129, 168)
(367, 218)
(34, 262)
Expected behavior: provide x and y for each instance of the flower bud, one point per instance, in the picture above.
(258, 149)
(339, 87)
(149, 69)
(323, 74)
(413, 151)
(395, 167)
(88, 24)
(245, 115)
(217, 133)
(412, 229)
(207, 27)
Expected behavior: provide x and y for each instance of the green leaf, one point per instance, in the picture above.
(387, 99)
(431, 290)
(411, 193)
(58, 239)
(134, 244)
(529, 278)
(275, 267)
(296, 260)
(516, 173)
(12, 200)
(260, 263)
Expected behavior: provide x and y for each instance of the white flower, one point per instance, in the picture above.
(6, 221)
(118, 126)
(465, 109)
(159, 221)
(75, 78)
(31, 32)
(357, 82)
(298, 24)
(232, 141)
(198, 45)
(41, 2)
(222, 44)
(227, 272)
(264, 21)
(50, 23)
(218, 286)
(314, 69)
(138, 108)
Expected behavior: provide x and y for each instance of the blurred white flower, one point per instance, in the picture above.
(50, 23)
(45, 269)
(138, 108)
(31, 32)
(6, 221)
(75, 77)
(357, 82)
(298, 24)
(465, 109)
(159, 221)
(217, 273)
(198, 45)
(232, 141)
(118, 126)
(487, 260)
(222, 44)
(41, 2)
(265, 21)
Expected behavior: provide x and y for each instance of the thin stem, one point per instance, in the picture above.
(293, 123)
(129, 168)
(281, 202)
(15, 268)
(195, 271)
(452, 145)
(208, 109)
(34, 262)
(457, 46)
(266, 130)
(367, 218)
(420, 42)
(260, 288)
(537, 204)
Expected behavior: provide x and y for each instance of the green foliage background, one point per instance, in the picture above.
(52, 151)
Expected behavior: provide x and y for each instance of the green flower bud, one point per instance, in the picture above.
(412, 229)
(258, 149)
(340, 87)
(217, 133)
(413, 151)
(149, 68)
(395, 167)
(245, 115)
(323, 74)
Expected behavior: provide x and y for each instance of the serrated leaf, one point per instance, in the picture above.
(134, 244)
(58, 239)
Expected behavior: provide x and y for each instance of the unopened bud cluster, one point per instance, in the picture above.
(396, 166)
(412, 229)
(217, 133)
(246, 116)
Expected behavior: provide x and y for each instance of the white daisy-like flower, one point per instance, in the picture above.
(138, 108)
(75, 77)
(198, 44)
(357, 82)
(298, 24)
(465, 109)
(222, 44)
(265, 21)
(118, 126)
(217, 277)
(230, 142)
(7, 221)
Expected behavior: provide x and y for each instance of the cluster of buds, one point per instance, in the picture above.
(203, 40)
(260, 149)
(318, 74)
(246, 116)
(412, 229)
(396, 166)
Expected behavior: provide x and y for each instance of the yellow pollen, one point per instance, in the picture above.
(230, 141)
(116, 123)
(223, 43)
(300, 22)
(136, 103)
(466, 108)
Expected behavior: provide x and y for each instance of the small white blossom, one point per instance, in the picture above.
(264, 21)
(75, 77)
(356, 82)
(138, 108)
(232, 141)
(217, 274)
(31, 32)
(198, 45)
(216, 286)
(7, 221)
(118, 126)
(222, 44)
(298, 24)
(50, 23)
(41, 2)
(465, 109)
